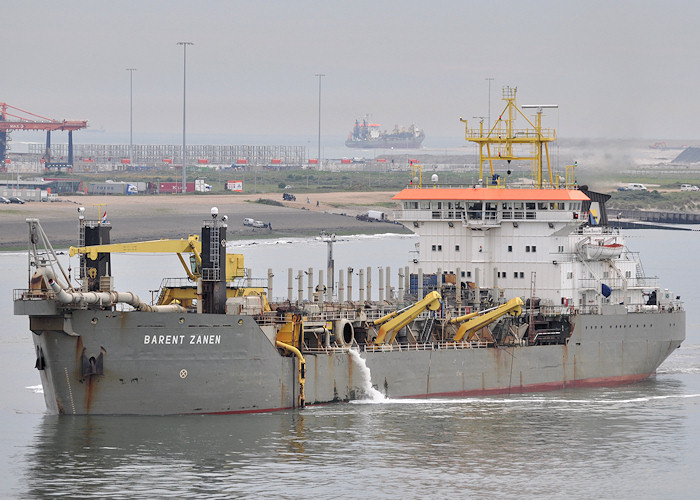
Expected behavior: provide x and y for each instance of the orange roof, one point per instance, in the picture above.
(489, 194)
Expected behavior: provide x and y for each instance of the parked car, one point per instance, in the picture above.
(689, 187)
(14, 199)
(4, 200)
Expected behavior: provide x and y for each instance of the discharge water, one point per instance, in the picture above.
(635, 441)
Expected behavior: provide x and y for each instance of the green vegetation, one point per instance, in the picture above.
(681, 201)
(267, 201)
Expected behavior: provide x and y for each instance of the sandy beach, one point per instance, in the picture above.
(140, 218)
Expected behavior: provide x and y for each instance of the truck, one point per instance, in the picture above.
(110, 187)
(373, 216)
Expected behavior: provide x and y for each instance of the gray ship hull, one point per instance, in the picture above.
(105, 362)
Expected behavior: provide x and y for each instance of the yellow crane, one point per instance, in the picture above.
(392, 323)
(192, 245)
(474, 321)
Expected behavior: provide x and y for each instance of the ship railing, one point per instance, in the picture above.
(429, 346)
(674, 305)
(177, 283)
(642, 282)
(544, 133)
(28, 294)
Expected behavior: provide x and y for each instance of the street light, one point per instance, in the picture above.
(319, 75)
(184, 108)
(131, 114)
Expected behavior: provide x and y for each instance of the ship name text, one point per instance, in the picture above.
(181, 339)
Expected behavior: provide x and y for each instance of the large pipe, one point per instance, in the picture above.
(109, 299)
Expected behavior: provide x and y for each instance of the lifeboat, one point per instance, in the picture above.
(600, 250)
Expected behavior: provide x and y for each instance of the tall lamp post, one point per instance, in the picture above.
(489, 80)
(319, 75)
(184, 112)
(131, 114)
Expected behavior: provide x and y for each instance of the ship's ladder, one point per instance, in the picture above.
(427, 328)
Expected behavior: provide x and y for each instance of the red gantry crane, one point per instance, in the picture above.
(12, 118)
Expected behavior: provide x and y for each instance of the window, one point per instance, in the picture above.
(510, 248)
(628, 274)
(425, 205)
(462, 274)
(515, 274)
(439, 248)
(534, 248)
(527, 248)
(561, 248)
(434, 248)
(456, 248)
(569, 275)
(469, 274)
(522, 274)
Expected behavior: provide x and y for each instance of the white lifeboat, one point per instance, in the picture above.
(600, 249)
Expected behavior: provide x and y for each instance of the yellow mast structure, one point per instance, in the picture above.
(503, 142)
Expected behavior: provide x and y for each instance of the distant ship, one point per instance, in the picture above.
(367, 135)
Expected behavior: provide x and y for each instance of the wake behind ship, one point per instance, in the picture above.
(514, 289)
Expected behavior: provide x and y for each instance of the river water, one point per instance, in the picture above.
(636, 441)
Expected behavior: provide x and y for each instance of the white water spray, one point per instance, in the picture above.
(365, 375)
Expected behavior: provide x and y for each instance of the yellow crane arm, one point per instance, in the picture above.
(190, 245)
(392, 326)
(512, 307)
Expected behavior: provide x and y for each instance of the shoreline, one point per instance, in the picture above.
(142, 218)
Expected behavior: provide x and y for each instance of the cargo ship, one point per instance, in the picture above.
(368, 135)
(514, 288)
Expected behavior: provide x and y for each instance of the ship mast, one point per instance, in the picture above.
(504, 142)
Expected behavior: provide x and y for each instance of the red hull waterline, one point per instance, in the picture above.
(549, 386)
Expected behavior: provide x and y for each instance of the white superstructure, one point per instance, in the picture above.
(520, 241)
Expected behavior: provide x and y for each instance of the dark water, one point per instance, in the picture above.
(636, 441)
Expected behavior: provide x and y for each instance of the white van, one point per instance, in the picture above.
(248, 221)
(633, 186)
(689, 187)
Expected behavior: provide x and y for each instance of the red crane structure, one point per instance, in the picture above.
(12, 118)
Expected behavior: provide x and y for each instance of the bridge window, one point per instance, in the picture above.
(518, 207)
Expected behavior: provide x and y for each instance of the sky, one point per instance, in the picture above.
(616, 69)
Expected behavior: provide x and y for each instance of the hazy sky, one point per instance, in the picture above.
(615, 68)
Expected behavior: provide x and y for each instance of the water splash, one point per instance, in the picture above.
(371, 393)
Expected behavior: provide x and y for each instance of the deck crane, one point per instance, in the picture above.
(474, 321)
(12, 118)
(393, 322)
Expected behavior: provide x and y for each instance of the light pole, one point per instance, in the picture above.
(489, 80)
(131, 115)
(184, 112)
(319, 75)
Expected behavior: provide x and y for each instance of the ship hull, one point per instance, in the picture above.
(386, 144)
(162, 363)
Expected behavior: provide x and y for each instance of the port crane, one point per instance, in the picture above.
(13, 118)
